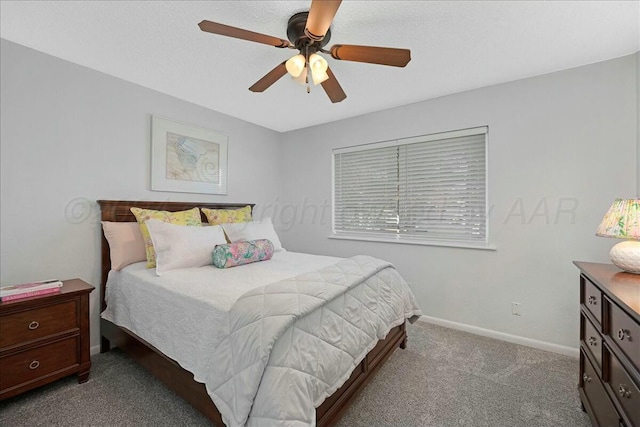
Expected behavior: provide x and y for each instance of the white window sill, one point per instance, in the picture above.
(411, 242)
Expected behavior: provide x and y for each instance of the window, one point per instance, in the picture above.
(428, 189)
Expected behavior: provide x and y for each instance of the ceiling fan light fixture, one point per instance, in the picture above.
(317, 62)
(301, 78)
(319, 77)
(295, 65)
(318, 66)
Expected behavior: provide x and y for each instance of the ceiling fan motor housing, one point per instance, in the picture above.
(297, 36)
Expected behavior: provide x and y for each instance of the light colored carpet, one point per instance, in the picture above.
(443, 378)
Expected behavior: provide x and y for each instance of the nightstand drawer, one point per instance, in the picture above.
(625, 390)
(592, 340)
(592, 299)
(28, 325)
(599, 403)
(624, 332)
(38, 362)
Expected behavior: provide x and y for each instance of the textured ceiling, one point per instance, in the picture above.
(455, 46)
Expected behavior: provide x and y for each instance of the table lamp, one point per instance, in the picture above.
(623, 221)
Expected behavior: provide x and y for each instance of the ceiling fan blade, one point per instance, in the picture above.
(320, 17)
(371, 54)
(333, 88)
(270, 78)
(239, 33)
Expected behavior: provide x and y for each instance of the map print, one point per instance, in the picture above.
(192, 159)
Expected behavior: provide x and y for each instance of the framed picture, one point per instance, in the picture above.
(187, 158)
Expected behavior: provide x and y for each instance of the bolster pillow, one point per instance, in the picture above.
(239, 253)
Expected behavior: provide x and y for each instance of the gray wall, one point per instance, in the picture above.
(562, 147)
(71, 135)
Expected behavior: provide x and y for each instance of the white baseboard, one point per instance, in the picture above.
(93, 350)
(542, 345)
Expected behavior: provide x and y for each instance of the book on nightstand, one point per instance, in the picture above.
(41, 292)
(28, 290)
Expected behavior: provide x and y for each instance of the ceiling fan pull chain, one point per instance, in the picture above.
(306, 64)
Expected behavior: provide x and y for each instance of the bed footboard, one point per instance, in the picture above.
(181, 381)
(330, 411)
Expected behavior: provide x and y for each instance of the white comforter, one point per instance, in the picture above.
(273, 353)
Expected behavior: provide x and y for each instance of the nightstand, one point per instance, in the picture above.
(43, 339)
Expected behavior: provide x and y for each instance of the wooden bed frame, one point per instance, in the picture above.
(180, 380)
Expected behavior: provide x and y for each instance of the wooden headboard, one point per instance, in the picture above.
(119, 211)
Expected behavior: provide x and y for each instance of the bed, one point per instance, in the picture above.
(182, 380)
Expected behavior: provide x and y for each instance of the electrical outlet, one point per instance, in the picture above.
(515, 309)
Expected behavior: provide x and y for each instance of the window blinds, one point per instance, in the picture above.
(429, 188)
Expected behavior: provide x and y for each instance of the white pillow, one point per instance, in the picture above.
(181, 246)
(253, 230)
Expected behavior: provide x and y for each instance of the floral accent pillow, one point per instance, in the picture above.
(190, 217)
(239, 253)
(226, 216)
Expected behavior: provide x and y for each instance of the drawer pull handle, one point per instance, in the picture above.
(624, 391)
(593, 300)
(593, 341)
(623, 333)
(34, 325)
(586, 378)
(35, 364)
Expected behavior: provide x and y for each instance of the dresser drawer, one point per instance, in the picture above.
(592, 340)
(28, 325)
(598, 401)
(38, 362)
(592, 299)
(625, 390)
(624, 332)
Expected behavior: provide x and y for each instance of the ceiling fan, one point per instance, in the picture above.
(309, 32)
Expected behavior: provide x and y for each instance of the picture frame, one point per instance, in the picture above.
(187, 158)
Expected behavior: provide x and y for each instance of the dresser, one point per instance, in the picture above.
(609, 383)
(43, 339)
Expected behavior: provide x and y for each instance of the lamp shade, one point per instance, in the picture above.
(302, 77)
(295, 65)
(318, 66)
(622, 220)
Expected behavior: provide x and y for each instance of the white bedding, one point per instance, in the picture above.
(335, 313)
(177, 312)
